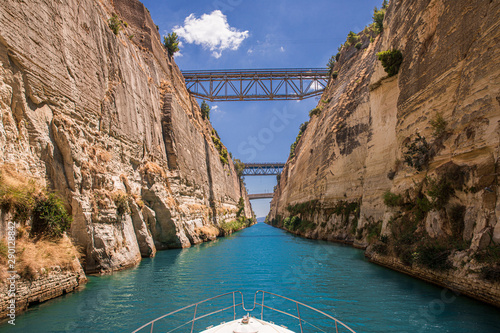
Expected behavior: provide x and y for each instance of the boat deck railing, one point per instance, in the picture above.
(237, 301)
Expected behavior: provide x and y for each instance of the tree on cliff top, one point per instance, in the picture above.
(205, 110)
(378, 18)
(331, 63)
(171, 43)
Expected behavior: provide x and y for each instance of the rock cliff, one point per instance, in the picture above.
(105, 120)
(408, 165)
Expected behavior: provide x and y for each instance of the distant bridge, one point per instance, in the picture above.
(263, 169)
(257, 84)
(260, 196)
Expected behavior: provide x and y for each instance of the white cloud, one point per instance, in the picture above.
(216, 110)
(315, 86)
(212, 32)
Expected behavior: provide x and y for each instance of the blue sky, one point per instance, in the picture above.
(259, 34)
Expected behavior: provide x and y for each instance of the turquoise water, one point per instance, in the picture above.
(331, 277)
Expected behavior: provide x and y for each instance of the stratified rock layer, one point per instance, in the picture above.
(354, 150)
(107, 121)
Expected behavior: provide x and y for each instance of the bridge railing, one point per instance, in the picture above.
(257, 84)
(263, 169)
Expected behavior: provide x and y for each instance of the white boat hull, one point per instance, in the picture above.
(254, 325)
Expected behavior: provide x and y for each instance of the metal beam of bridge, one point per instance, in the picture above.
(257, 84)
(260, 196)
(263, 169)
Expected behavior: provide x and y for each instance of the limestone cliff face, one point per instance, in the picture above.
(107, 121)
(360, 146)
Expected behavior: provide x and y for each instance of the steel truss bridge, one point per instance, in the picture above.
(263, 169)
(260, 196)
(257, 84)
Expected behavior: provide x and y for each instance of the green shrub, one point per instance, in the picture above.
(440, 192)
(345, 208)
(305, 225)
(392, 200)
(373, 230)
(286, 222)
(115, 24)
(354, 226)
(434, 256)
(302, 129)
(438, 124)
(335, 74)
(380, 248)
(378, 19)
(331, 63)
(241, 207)
(205, 110)
(303, 207)
(406, 256)
(295, 223)
(223, 154)
(352, 38)
(417, 154)
(171, 43)
(391, 61)
(423, 206)
(50, 217)
(239, 166)
(236, 225)
(404, 230)
(337, 56)
(314, 112)
(358, 45)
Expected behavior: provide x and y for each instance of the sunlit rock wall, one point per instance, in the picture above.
(354, 150)
(107, 121)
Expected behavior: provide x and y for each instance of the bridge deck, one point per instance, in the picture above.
(260, 196)
(263, 169)
(257, 84)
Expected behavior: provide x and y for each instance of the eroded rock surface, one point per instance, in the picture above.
(107, 121)
(355, 150)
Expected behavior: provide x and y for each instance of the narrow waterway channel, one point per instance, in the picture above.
(331, 277)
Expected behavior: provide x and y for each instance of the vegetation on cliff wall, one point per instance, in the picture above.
(115, 24)
(223, 154)
(418, 149)
(391, 61)
(235, 225)
(171, 43)
(302, 129)
(378, 18)
(40, 220)
(30, 204)
(409, 239)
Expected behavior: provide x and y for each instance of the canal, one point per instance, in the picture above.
(331, 277)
